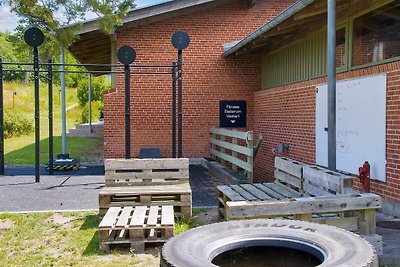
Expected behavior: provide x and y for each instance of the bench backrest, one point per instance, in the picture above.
(311, 180)
(119, 172)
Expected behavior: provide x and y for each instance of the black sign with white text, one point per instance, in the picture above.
(232, 114)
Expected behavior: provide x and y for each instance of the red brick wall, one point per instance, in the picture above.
(207, 78)
(286, 114)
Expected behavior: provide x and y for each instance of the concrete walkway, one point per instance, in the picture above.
(77, 190)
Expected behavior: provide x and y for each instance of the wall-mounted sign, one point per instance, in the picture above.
(232, 114)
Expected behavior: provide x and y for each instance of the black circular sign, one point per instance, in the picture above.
(180, 40)
(126, 55)
(34, 37)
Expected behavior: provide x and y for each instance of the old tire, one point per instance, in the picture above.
(333, 246)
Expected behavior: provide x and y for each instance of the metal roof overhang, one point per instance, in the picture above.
(294, 24)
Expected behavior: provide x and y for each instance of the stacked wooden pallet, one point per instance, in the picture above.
(158, 186)
(304, 192)
(136, 226)
(133, 182)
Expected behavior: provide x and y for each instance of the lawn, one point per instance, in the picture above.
(67, 239)
(20, 150)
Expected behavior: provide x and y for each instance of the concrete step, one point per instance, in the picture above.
(82, 130)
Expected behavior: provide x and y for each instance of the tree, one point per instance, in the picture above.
(44, 14)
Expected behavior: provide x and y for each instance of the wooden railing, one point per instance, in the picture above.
(235, 147)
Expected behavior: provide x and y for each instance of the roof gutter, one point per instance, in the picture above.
(296, 7)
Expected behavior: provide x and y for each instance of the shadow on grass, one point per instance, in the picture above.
(93, 247)
(91, 222)
(77, 147)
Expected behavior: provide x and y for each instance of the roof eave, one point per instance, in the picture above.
(287, 13)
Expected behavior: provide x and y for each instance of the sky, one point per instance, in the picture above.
(8, 20)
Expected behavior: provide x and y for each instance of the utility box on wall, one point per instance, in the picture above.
(232, 114)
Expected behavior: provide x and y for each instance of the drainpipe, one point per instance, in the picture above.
(331, 70)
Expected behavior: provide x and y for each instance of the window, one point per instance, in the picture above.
(376, 35)
(341, 48)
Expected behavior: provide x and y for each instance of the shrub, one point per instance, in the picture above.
(16, 125)
(97, 109)
(99, 84)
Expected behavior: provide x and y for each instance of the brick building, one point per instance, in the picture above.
(269, 53)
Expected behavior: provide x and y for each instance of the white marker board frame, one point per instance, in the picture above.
(360, 125)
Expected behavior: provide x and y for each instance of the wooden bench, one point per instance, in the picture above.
(136, 226)
(304, 192)
(147, 182)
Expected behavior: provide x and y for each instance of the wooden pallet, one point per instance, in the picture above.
(136, 226)
(303, 192)
(125, 172)
(179, 196)
(252, 192)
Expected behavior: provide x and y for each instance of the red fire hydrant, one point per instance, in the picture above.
(364, 174)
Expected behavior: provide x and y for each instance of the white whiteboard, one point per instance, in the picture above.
(360, 125)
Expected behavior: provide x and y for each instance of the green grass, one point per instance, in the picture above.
(26, 154)
(67, 239)
(21, 150)
(59, 239)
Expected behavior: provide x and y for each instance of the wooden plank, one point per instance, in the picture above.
(289, 166)
(147, 189)
(287, 178)
(243, 193)
(234, 147)
(110, 217)
(167, 215)
(153, 216)
(283, 190)
(148, 175)
(230, 193)
(138, 217)
(124, 217)
(367, 222)
(325, 178)
(255, 191)
(139, 164)
(348, 223)
(244, 209)
(273, 194)
(290, 191)
(229, 133)
(315, 190)
(234, 154)
(240, 163)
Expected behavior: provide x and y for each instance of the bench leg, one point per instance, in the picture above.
(105, 247)
(137, 246)
(367, 222)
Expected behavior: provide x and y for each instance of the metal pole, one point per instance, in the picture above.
(51, 147)
(179, 103)
(331, 70)
(127, 113)
(63, 108)
(37, 116)
(174, 109)
(90, 103)
(1, 120)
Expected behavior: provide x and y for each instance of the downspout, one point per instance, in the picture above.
(296, 7)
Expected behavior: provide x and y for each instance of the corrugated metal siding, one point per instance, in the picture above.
(301, 61)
